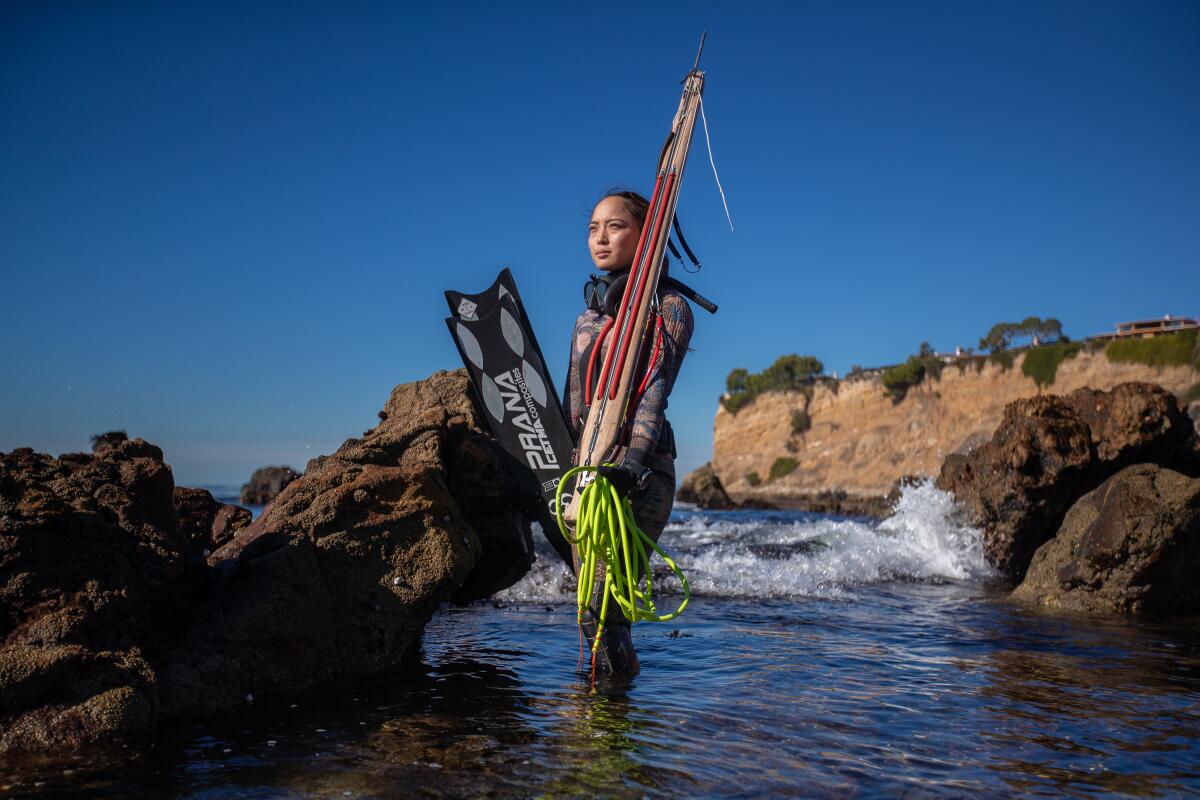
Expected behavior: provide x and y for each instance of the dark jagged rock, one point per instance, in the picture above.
(1018, 485)
(703, 487)
(1050, 450)
(228, 521)
(103, 441)
(1135, 423)
(205, 523)
(109, 629)
(266, 483)
(92, 573)
(1130, 546)
(343, 570)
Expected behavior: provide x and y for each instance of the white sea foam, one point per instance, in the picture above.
(749, 554)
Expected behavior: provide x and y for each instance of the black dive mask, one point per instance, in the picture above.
(603, 292)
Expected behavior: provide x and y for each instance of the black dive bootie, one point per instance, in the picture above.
(616, 656)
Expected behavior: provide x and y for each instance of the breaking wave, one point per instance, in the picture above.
(777, 554)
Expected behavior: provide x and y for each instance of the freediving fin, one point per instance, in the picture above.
(515, 390)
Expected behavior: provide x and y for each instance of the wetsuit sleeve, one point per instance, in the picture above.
(650, 415)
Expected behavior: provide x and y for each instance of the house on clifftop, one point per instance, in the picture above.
(1146, 328)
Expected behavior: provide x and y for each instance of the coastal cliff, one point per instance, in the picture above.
(857, 440)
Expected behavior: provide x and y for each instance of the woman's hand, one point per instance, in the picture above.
(627, 478)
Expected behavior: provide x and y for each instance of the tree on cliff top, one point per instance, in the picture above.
(789, 372)
(1002, 334)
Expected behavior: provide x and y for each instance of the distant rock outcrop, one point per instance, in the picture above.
(703, 488)
(266, 483)
(103, 441)
(1050, 450)
(205, 523)
(1130, 546)
(109, 627)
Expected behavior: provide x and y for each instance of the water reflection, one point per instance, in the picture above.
(902, 689)
(1101, 704)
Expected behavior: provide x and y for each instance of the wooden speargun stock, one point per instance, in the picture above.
(633, 328)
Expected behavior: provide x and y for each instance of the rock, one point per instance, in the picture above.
(1194, 412)
(229, 520)
(91, 572)
(703, 488)
(343, 570)
(833, 501)
(205, 523)
(103, 441)
(266, 483)
(1131, 546)
(1049, 450)
(1018, 485)
(1133, 423)
(110, 630)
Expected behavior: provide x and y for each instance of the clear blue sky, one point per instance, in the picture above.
(226, 227)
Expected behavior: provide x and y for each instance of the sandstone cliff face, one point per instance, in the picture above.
(861, 443)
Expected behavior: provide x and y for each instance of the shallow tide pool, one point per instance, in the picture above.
(820, 656)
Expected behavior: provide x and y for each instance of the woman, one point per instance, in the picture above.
(645, 461)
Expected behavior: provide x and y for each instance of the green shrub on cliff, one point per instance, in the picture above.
(801, 422)
(898, 379)
(789, 372)
(783, 466)
(1003, 359)
(735, 402)
(753, 479)
(1171, 350)
(1041, 363)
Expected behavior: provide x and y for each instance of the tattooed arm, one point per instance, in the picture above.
(650, 415)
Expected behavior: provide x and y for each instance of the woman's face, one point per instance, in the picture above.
(613, 235)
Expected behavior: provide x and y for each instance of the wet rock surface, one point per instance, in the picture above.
(110, 628)
(703, 487)
(1130, 546)
(1048, 451)
(266, 483)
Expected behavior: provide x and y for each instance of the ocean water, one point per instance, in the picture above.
(820, 657)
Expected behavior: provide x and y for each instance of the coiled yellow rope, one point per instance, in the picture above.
(606, 531)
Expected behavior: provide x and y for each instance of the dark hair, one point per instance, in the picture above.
(637, 205)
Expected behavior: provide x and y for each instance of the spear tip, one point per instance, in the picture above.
(703, 35)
